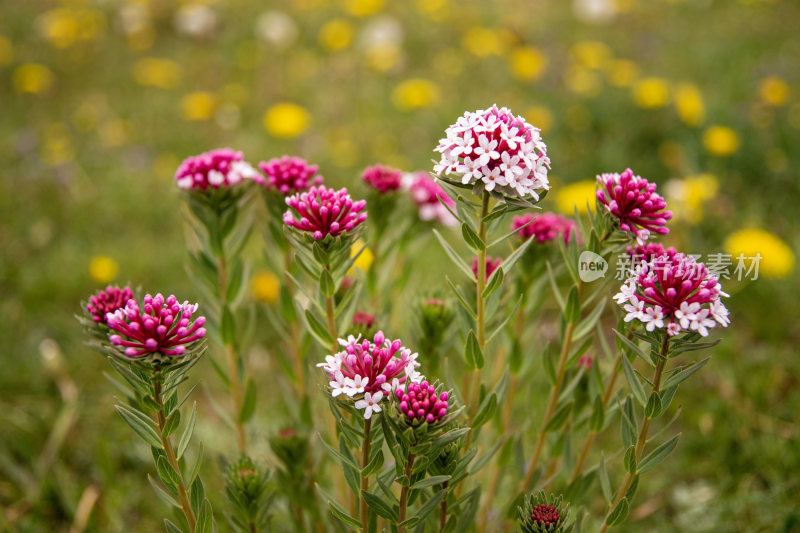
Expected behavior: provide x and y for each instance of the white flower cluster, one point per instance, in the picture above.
(497, 148)
(373, 369)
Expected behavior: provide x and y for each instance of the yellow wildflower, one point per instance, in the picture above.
(777, 258)
(63, 27)
(527, 63)
(721, 141)
(576, 196)
(582, 81)
(591, 54)
(198, 105)
(156, 72)
(384, 57)
(363, 8)
(415, 93)
(651, 93)
(622, 73)
(265, 286)
(433, 9)
(687, 197)
(102, 269)
(32, 78)
(286, 120)
(689, 104)
(773, 91)
(483, 42)
(364, 261)
(336, 34)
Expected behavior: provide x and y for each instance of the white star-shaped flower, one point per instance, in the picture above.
(370, 404)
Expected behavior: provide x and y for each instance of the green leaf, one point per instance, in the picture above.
(554, 285)
(197, 463)
(430, 481)
(652, 459)
(619, 514)
(549, 362)
(597, 419)
(205, 520)
(453, 255)
(513, 257)
(339, 512)
(495, 282)
(629, 428)
(186, 436)
(374, 465)
(653, 407)
(288, 309)
(326, 284)
(445, 439)
(630, 344)
(471, 238)
(172, 423)
(319, 331)
(498, 211)
(170, 527)
(227, 328)
(167, 473)
(461, 298)
(430, 505)
(589, 322)
(162, 494)
(485, 411)
(630, 460)
(559, 417)
(473, 352)
(249, 403)
(681, 375)
(572, 314)
(336, 453)
(379, 506)
(633, 381)
(605, 484)
(141, 424)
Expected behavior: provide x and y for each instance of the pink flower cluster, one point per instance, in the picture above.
(491, 265)
(364, 319)
(426, 193)
(544, 227)
(165, 327)
(288, 175)
(370, 368)
(675, 292)
(497, 148)
(218, 168)
(324, 211)
(634, 201)
(419, 402)
(108, 301)
(648, 252)
(382, 178)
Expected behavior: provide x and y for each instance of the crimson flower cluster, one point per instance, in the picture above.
(634, 202)
(419, 402)
(324, 212)
(544, 227)
(107, 301)
(648, 252)
(383, 178)
(161, 326)
(223, 167)
(545, 515)
(288, 175)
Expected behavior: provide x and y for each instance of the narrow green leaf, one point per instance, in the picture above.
(629, 428)
(167, 473)
(549, 362)
(430, 505)
(326, 284)
(205, 520)
(170, 527)
(374, 465)
(605, 484)
(430, 481)
(655, 457)
(587, 324)
(485, 411)
(653, 407)
(450, 436)
(319, 331)
(141, 424)
(597, 420)
(379, 506)
(227, 328)
(630, 460)
(249, 403)
(619, 514)
(559, 417)
(196, 468)
(572, 314)
(681, 375)
(630, 344)
(471, 238)
(461, 298)
(186, 436)
(633, 382)
(339, 512)
(162, 494)
(554, 285)
(513, 257)
(453, 255)
(495, 282)
(473, 352)
(172, 423)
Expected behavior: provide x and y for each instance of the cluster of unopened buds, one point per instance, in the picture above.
(635, 203)
(107, 301)
(495, 147)
(162, 326)
(675, 292)
(382, 178)
(543, 228)
(432, 201)
(370, 368)
(288, 175)
(420, 403)
(324, 212)
(214, 169)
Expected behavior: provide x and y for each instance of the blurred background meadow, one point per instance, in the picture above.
(102, 99)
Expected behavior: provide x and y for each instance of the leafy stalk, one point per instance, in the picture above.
(401, 516)
(365, 448)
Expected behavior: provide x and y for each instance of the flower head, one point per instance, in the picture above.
(164, 328)
(215, 169)
(497, 148)
(363, 319)
(491, 265)
(429, 195)
(673, 292)
(634, 201)
(541, 514)
(382, 178)
(370, 368)
(420, 403)
(108, 301)
(324, 211)
(648, 251)
(544, 227)
(288, 175)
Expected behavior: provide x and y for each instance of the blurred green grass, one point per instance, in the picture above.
(92, 129)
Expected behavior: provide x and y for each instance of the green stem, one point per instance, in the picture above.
(480, 309)
(401, 515)
(365, 447)
(641, 440)
(443, 514)
(166, 443)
